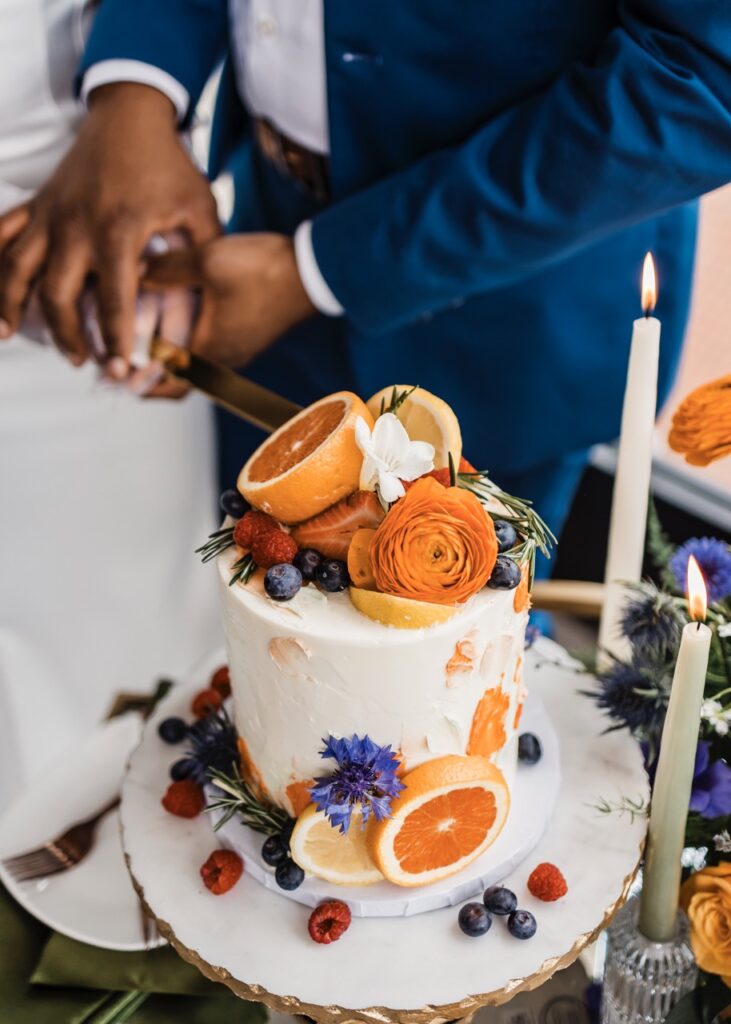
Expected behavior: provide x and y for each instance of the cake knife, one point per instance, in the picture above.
(252, 402)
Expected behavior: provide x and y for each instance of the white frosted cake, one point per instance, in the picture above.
(375, 596)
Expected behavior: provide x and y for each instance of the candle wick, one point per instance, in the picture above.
(698, 627)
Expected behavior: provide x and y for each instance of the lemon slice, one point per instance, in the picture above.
(401, 612)
(325, 852)
(425, 418)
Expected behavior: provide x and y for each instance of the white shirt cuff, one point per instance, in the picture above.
(107, 71)
(314, 283)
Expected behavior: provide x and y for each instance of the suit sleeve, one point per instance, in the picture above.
(646, 126)
(184, 38)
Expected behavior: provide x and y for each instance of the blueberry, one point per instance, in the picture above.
(505, 575)
(474, 920)
(307, 561)
(289, 875)
(233, 504)
(274, 850)
(522, 924)
(172, 730)
(182, 769)
(282, 581)
(529, 748)
(332, 575)
(500, 900)
(506, 535)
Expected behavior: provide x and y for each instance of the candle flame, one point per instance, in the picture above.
(697, 596)
(649, 285)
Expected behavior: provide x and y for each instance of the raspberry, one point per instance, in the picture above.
(547, 883)
(184, 799)
(273, 548)
(329, 921)
(250, 526)
(222, 871)
(221, 681)
(206, 702)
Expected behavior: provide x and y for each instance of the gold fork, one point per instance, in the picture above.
(61, 853)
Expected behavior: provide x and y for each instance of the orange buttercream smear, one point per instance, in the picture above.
(518, 714)
(445, 829)
(463, 659)
(299, 795)
(522, 600)
(250, 772)
(297, 443)
(436, 544)
(487, 734)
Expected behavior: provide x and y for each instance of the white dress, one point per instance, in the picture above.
(103, 497)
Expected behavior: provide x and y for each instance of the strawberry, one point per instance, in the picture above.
(443, 475)
(329, 921)
(331, 532)
(272, 547)
(250, 526)
(184, 799)
(465, 466)
(222, 871)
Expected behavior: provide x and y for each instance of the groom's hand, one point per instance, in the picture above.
(126, 177)
(251, 292)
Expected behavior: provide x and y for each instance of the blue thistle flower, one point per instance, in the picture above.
(633, 698)
(713, 557)
(213, 746)
(365, 777)
(653, 625)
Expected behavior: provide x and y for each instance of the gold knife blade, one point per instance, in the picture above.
(252, 402)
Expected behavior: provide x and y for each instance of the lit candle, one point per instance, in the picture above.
(628, 521)
(674, 777)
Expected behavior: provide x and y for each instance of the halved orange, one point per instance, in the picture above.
(451, 810)
(360, 567)
(309, 463)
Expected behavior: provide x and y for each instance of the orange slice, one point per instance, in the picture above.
(360, 567)
(452, 809)
(323, 851)
(309, 463)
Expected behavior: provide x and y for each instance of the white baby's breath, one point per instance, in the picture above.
(717, 716)
(722, 842)
(390, 456)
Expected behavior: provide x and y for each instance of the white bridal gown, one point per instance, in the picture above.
(103, 497)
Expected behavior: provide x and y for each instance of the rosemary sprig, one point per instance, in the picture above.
(634, 808)
(239, 799)
(216, 543)
(519, 513)
(397, 399)
(242, 570)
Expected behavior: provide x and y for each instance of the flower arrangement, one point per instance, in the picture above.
(634, 694)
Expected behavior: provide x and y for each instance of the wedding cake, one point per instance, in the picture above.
(375, 596)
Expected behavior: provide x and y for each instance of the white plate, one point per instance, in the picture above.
(93, 902)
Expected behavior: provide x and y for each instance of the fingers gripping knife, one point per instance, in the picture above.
(252, 402)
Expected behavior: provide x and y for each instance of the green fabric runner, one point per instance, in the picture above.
(46, 978)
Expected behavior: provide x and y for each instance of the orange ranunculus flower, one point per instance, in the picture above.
(701, 427)
(706, 899)
(436, 544)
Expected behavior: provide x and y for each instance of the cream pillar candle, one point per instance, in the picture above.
(628, 521)
(674, 777)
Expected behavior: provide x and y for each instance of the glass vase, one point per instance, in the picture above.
(643, 980)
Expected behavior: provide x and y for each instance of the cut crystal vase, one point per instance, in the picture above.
(643, 980)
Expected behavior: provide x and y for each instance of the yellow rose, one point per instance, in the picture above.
(706, 899)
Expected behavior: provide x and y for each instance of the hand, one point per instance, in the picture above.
(126, 177)
(251, 292)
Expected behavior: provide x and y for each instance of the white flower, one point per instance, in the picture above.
(722, 842)
(724, 630)
(390, 456)
(717, 716)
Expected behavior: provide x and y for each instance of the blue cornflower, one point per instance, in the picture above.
(713, 557)
(711, 795)
(652, 624)
(365, 777)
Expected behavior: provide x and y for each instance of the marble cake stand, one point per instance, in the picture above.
(414, 969)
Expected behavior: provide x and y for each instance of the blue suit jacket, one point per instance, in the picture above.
(498, 172)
